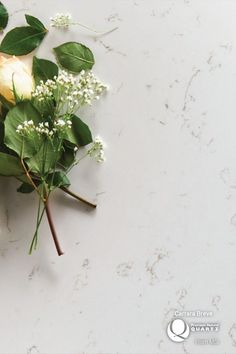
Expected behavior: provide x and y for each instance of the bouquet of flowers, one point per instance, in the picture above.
(40, 131)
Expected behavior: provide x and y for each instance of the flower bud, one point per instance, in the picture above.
(14, 70)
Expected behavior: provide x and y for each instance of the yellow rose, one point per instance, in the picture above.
(13, 69)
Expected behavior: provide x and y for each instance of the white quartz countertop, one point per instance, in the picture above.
(163, 236)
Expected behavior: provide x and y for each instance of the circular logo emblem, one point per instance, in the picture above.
(178, 330)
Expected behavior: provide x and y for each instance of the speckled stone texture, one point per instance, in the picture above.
(163, 236)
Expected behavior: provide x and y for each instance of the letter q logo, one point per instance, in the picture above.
(178, 330)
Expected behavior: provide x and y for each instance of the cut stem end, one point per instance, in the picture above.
(53, 230)
(81, 199)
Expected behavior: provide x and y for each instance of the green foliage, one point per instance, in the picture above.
(3, 147)
(23, 40)
(3, 112)
(58, 179)
(67, 156)
(10, 165)
(25, 188)
(45, 160)
(35, 23)
(3, 16)
(39, 137)
(17, 98)
(80, 133)
(46, 108)
(74, 56)
(44, 69)
(24, 147)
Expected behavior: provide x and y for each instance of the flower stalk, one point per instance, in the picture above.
(64, 20)
(52, 228)
(76, 196)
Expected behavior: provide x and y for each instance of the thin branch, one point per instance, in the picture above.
(31, 180)
(72, 194)
(52, 228)
(93, 30)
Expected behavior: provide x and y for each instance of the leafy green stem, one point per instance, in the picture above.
(39, 220)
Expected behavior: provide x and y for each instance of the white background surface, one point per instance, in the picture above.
(163, 236)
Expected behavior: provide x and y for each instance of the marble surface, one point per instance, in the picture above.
(163, 236)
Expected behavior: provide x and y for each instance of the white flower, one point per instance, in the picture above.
(69, 91)
(60, 127)
(60, 123)
(14, 70)
(19, 128)
(61, 20)
(97, 150)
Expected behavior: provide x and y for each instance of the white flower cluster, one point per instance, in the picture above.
(61, 20)
(44, 90)
(29, 127)
(97, 150)
(60, 123)
(69, 91)
(89, 87)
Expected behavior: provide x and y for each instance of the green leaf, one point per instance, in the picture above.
(3, 147)
(17, 98)
(3, 16)
(10, 165)
(23, 111)
(58, 179)
(46, 108)
(45, 160)
(1, 132)
(74, 56)
(44, 69)
(68, 155)
(34, 22)
(25, 188)
(3, 112)
(22, 40)
(79, 134)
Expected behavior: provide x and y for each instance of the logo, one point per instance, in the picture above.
(178, 330)
(206, 332)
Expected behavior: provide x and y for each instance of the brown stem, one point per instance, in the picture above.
(78, 197)
(31, 180)
(52, 228)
